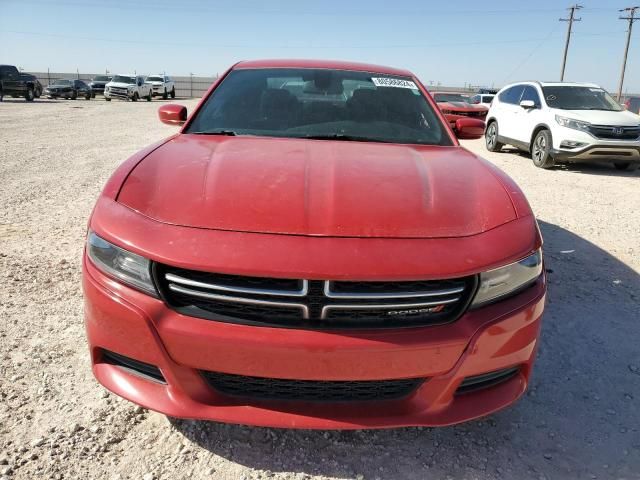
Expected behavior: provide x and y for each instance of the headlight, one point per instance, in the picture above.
(572, 123)
(117, 262)
(506, 280)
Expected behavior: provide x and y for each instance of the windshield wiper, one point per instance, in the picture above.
(227, 133)
(343, 137)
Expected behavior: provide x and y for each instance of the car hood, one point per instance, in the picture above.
(462, 106)
(601, 117)
(121, 84)
(154, 82)
(317, 187)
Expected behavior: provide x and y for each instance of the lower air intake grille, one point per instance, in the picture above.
(141, 369)
(486, 380)
(260, 388)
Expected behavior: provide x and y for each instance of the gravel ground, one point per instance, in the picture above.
(580, 418)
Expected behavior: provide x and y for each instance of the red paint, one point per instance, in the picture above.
(296, 208)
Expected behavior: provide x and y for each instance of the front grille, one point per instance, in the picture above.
(313, 304)
(260, 388)
(615, 133)
(461, 113)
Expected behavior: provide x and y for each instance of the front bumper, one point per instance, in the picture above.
(593, 149)
(122, 320)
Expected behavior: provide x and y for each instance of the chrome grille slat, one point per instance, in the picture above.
(251, 301)
(372, 306)
(225, 288)
(355, 295)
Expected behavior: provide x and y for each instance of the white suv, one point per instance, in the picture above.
(572, 122)
(161, 85)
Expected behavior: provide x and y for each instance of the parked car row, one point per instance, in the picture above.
(554, 122)
(126, 87)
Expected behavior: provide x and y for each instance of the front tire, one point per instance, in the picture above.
(29, 95)
(135, 97)
(87, 96)
(491, 138)
(165, 94)
(149, 96)
(107, 99)
(541, 150)
(173, 92)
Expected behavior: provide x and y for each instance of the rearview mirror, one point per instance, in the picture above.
(527, 104)
(469, 128)
(172, 114)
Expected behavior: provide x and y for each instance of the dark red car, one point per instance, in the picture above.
(314, 249)
(459, 105)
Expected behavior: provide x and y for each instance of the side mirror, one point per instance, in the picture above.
(172, 114)
(527, 104)
(469, 128)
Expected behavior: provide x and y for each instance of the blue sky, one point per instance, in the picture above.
(454, 43)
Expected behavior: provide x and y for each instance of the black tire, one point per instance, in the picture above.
(74, 95)
(135, 97)
(491, 137)
(87, 96)
(173, 92)
(148, 97)
(38, 92)
(107, 99)
(1, 95)
(624, 165)
(541, 150)
(164, 94)
(93, 94)
(30, 94)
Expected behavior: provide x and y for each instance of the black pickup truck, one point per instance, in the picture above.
(17, 84)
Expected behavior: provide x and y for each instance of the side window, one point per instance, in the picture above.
(512, 95)
(530, 93)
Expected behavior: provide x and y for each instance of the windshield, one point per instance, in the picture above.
(102, 78)
(123, 79)
(64, 83)
(450, 97)
(579, 98)
(154, 79)
(320, 104)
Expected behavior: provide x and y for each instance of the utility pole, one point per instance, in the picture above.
(572, 18)
(632, 17)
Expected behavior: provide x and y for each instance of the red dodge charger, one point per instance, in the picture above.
(314, 249)
(458, 105)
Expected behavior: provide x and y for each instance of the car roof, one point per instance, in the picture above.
(329, 64)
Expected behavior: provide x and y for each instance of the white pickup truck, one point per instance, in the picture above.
(127, 87)
(162, 85)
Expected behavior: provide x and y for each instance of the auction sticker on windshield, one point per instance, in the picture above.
(393, 82)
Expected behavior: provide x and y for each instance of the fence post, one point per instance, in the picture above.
(78, 73)
(48, 77)
(191, 84)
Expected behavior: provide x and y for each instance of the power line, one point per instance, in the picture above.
(631, 18)
(571, 19)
